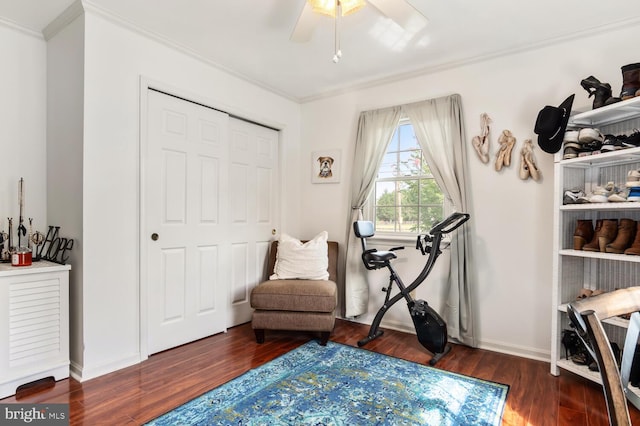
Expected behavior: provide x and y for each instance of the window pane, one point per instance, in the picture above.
(408, 195)
(386, 193)
(429, 216)
(408, 139)
(385, 219)
(393, 144)
(389, 166)
(430, 192)
(410, 163)
(426, 171)
(409, 219)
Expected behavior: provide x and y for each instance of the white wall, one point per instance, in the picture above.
(511, 219)
(115, 60)
(23, 131)
(65, 92)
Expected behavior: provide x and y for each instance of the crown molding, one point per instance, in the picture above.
(81, 6)
(91, 7)
(585, 33)
(61, 21)
(17, 27)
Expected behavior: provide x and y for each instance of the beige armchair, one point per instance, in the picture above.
(296, 304)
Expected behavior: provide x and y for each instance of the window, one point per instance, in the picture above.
(407, 197)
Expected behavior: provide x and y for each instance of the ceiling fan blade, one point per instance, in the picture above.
(402, 13)
(305, 26)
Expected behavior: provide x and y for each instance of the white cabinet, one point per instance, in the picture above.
(34, 324)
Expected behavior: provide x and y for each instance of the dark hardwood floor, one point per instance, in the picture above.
(142, 392)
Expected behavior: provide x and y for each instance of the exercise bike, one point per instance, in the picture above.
(431, 329)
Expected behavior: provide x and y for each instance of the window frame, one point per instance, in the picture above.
(369, 208)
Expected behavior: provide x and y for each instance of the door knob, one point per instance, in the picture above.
(154, 236)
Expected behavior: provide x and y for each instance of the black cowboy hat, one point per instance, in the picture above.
(551, 124)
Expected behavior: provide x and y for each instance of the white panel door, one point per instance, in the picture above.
(187, 242)
(253, 209)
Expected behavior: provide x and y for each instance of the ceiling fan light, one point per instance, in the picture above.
(328, 7)
(350, 6)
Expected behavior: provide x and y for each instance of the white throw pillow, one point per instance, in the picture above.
(306, 261)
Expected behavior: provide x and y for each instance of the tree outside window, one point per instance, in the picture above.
(407, 197)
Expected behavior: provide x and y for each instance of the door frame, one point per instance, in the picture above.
(146, 84)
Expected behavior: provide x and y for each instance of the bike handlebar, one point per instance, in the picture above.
(449, 224)
(434, 236)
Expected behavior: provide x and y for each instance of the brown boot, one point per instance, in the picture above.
(635, 247)
(626, 234)
(608, 233)
(630, 80)
(594, 244)
(583, 234)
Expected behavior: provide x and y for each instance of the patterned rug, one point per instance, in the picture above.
(344, 385)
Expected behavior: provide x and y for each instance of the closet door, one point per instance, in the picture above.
(186, 237)
(253, 209)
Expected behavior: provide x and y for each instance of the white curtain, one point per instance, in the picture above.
(375, 130)
(438, 126)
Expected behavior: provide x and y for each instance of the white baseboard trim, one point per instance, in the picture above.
(517, 350)
(489, 345)
(83, 373)
(75, 371)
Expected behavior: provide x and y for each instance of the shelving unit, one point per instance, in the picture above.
(576, 269)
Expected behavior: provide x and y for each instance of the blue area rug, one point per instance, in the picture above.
(343, 385)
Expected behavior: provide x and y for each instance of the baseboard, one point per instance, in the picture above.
(489, 345)
(75, 371)
(83, 373)
(517, 350)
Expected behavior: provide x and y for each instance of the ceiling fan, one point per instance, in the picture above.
(399, 11)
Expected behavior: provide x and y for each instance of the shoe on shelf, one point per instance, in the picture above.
(600, 194)
(573, 196)
(571, 136)
(588, 134)
(569, 152)
(601, 91)
(633, 140)
(626, 235)
(583, 234)
(594, 244)
(593, 147)
(633, 178)
(608, 233)
(634, 194)
(618, 196)
(612, 143)
(584, 293)
(635, 246)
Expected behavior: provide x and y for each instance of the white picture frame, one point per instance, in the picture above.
(325, 166)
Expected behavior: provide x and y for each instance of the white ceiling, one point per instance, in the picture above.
(251, 37)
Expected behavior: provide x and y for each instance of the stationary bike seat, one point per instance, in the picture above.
(378, 258)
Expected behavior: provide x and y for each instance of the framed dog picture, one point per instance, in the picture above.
(325, 166)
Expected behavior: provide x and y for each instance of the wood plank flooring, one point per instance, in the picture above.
(142, 392)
